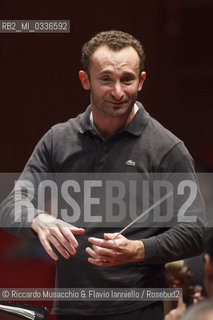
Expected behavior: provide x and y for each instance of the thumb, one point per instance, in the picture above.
(110, 236)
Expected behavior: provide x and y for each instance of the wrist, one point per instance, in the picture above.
(140, 251)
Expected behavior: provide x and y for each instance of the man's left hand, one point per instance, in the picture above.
(109, 252)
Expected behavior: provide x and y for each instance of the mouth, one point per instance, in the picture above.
(117, 103)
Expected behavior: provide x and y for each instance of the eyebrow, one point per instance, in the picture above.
(125, 73)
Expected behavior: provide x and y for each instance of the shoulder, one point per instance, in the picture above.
(71, 125)
(74, 126)
(170, 151)
(161, 135)
(154, 131)
(164, 150)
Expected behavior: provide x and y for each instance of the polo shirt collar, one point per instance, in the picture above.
(85, 124)
(138, 122)
(135, 127)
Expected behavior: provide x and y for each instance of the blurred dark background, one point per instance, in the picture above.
(39, 72)
(40, 85)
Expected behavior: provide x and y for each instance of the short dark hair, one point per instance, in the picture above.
(114, 40)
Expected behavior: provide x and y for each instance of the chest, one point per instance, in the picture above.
(90, 154)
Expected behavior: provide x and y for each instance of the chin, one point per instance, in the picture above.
(119, 112)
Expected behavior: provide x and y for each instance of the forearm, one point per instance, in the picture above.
(16, 217)
(177, 243)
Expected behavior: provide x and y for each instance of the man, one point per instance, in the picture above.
(114, 135)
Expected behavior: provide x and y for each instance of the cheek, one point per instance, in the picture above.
(133, 88)
(99, 90)
(132, 91)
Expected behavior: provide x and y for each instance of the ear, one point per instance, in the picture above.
(84, 79)
(141, 80)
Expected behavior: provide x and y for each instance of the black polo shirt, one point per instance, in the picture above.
(143, 146)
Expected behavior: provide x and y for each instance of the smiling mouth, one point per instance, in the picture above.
(117, 102)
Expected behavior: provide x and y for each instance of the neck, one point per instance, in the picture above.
(107, 126)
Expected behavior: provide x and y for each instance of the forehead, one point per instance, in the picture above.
(106, 58)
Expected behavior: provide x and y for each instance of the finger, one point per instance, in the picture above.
(68, 233)
(98, 260)
(104, 251)
(94, 254)
(100, 263)
(69, 245)
(69, 236)
(73, 229)
(111, 236)
(59, 247)
(77, 230)
(47, 247)
(111, 244)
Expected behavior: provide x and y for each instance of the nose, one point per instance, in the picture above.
(117, 91)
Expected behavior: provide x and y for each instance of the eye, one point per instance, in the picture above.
(127, 80)
(105, 78)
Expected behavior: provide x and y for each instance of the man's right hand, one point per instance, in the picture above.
(58, 233)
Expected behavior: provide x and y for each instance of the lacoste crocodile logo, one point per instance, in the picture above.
(130, 163)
